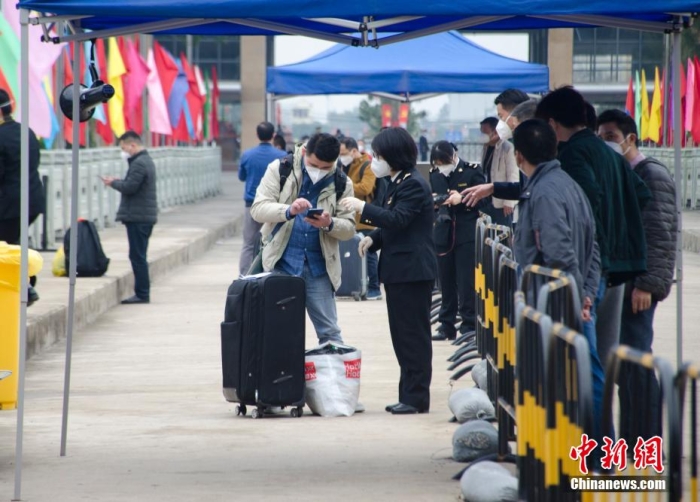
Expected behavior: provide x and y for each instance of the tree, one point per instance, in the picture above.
(371, 114)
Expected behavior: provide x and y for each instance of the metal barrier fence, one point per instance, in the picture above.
(690, 373)
(184, 175)
(631, 422)
(553, 292)
(690, 163)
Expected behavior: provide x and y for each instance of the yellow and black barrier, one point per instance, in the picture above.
(533, 330)
(632, 423)
(554, 293)
(569, 399)
(689, 374)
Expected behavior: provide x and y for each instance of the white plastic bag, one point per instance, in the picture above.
(332, 375)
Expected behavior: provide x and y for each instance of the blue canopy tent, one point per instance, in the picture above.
(353, 23)
(440, 63)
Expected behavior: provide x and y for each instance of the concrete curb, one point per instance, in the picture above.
(50, 327)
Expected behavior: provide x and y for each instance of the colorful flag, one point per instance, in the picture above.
(203, 95)
(55, 126)
(696, 90)
(629, 104)
(207, 110)
(214, 103)
(644, 132)
(104, 129)
(638, 103)
(655, 122)
(690, 97)
(194, 97)
(115, 71)
(158, 119)
(134, 84)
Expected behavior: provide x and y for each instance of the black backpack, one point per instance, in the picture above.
(287, 164)
(92, 261)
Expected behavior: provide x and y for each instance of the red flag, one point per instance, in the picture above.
(68, 79)
(214, 103)
(403, 115)
(629, 104)
(194, 98)
(104, 130)
(134, 84)
(4, 85)
(696, 91)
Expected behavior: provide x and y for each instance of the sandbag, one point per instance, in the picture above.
(332, 375)
(488, 482)
(480, 375)
(471, 404)
(473, 440)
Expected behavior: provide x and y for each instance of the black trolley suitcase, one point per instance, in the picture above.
(353, 279)
(263, 343)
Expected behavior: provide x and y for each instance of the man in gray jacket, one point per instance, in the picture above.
(138, 210)
(556, 229)
(642, 294)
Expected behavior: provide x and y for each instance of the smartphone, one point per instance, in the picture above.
(314, 213)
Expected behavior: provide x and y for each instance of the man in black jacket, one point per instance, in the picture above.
(138, 209)
(10, 172)
(642, 294)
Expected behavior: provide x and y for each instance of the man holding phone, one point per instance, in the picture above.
(298, 204)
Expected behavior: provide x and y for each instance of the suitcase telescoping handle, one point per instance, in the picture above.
(285, 301)
(282, 379)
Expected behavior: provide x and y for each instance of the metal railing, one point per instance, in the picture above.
(184, 175)
(690, 162)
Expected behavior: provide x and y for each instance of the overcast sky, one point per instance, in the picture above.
(289, 50)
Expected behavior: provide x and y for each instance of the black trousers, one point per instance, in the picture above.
(408, 305)
(10, 229)
(138, 235)
(457, 286)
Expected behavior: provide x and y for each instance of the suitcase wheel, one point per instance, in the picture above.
(241, 410)
(257, 413)
(297, 412)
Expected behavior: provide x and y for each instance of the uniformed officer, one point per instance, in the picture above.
(454, 230)
(407, 265)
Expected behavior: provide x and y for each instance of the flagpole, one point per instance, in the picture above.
(24, 245)
(679, 194)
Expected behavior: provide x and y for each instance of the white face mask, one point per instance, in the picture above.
(503, 130)
(447, 169)
(483, 138)
(315, 174)
(380, 168)
(615, 147)
(346, 160)
(125, 155)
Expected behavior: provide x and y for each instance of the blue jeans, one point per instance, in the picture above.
(598, 373)
(639, 416)
(138, 235)
(320, 305)
(373, 271)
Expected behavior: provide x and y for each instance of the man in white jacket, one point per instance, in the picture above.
(498, 162)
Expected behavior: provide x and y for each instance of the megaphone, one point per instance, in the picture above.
(90, 97)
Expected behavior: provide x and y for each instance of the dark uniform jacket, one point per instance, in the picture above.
(10, 173)
(405, 230)
(139, 199)
(660, 225)
(462, 219)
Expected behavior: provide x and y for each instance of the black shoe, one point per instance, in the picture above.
(391, 407)
(134, 299)
(32, 296)
(405, 409)
(441, 336)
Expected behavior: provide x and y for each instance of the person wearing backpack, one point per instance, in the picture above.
(301, 244)
(356, 166)
(138, 210)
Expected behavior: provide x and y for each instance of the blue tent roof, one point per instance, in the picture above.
(310, 17)
(446, 62)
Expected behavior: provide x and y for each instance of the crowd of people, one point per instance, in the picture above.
(574, 187)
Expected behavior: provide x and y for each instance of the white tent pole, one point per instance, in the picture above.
(24, 243)
(678, 176)
(74, 202)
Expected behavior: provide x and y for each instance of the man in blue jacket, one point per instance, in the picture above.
(252, 167)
